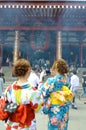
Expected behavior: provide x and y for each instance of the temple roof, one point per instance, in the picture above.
(49, 15)
(63, 13)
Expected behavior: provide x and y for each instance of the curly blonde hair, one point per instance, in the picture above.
(60, 66)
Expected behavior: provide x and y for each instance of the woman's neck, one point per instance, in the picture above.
(21, 80)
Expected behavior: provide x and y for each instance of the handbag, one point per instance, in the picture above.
(10, 107)
(6, 109)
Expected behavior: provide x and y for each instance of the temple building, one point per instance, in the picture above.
(43, 29)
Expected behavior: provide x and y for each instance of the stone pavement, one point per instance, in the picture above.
(77, 118)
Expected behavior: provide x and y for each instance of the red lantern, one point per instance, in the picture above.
(39, 42)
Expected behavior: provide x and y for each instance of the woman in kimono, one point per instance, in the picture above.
(22, 98)
(57, 96)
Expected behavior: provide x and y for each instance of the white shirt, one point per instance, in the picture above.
(74, 82)
(33, 79)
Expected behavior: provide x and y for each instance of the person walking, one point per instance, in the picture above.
(74, 82)
(83, 85)
(26, 101)
(34, 78)
(57, 96)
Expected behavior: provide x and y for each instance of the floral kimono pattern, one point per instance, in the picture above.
(29, 101)
(57, 98)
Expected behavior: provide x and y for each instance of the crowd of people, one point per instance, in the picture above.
(30, 93)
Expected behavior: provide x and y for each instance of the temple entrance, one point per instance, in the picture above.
(32, 45)
(39, 44)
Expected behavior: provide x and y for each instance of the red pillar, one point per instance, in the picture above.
(59, 45)
(16, 46)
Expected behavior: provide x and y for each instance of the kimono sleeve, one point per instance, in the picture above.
(36, 100)
(47, 87)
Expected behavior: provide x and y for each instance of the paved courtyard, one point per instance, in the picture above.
(77, 118)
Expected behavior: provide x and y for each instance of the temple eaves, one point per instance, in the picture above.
(43, 4)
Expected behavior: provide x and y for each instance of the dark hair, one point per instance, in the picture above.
(61, 66)
(21, 67)
(74, 72)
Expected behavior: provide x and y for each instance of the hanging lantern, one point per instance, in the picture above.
(39, 40)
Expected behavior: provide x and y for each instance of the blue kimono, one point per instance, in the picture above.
(58, 112)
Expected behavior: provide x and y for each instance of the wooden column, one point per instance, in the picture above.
(16, 47)
(58, 45)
